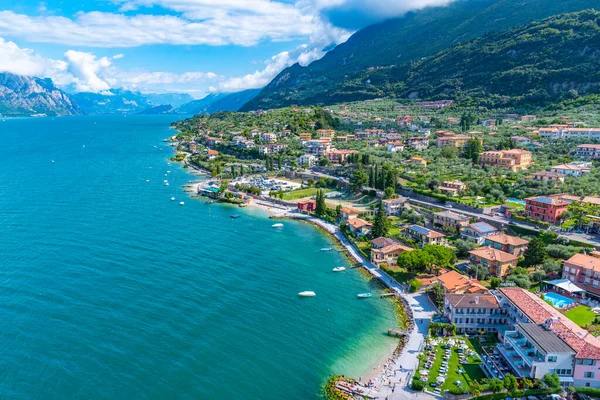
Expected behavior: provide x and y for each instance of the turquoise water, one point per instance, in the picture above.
(110, 290)
(558, 300)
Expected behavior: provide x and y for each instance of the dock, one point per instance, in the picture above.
(396, 332)
(387, 294)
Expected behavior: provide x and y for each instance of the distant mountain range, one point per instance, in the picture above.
(400, 42)
(25, 96)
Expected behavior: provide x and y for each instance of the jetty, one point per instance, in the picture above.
(396, 332)
(387, 294)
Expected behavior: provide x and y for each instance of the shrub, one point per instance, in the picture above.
(589, 391)
(417, 385)
(414, 285)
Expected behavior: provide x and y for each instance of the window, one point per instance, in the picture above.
(587, 384)
(588, 375)
(552, 359)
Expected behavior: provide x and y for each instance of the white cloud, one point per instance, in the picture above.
(378, 8)
(85, 69)
(20, 61)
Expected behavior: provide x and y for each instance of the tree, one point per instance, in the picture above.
(480, 271)
(381, 225)
(464, 246)
(551, 380)
(510, 383)
(538, 276)
(495, 283)
(527, 383)
(442, 256)
(449, 152)
(389, 192)
(474, 149)
(475, 389)
(535, 254)
(496, 385)
(358, 179)
(320, 207)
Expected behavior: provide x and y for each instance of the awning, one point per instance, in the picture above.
(565, 285)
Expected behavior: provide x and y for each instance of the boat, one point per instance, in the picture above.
(172, 198)
(364, 295)
(326, 249)
(277, 226)
(339, 269)
(307, 293)
(234, 216)
(181, 203)
(243, 205)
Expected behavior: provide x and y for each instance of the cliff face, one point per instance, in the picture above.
(25, 96)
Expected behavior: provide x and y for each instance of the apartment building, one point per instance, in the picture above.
(545, 208)
(514, 159)
(498, 262)
(394, 207)
(588, 151)
(450, 219)
(459, 141)
(472, 313)
(507, 243)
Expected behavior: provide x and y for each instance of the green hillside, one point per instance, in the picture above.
(400, 41)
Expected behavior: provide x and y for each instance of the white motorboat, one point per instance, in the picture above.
(181, 203)
(172, 198)
(364, 295)
(277, 226)
(166, 183)
(326, 249)
(339, 269)
(307, 293)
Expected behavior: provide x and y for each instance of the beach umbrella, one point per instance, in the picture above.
(440, 379)
(423, 372)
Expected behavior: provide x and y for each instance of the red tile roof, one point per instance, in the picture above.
(491, 254)
(584, 261)
(505, 239)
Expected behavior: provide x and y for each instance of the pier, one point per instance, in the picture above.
(396, 332)
(387, 294)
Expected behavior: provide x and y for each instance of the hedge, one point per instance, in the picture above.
(532, 392)
(589, 391)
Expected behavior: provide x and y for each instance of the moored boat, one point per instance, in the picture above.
(234, 216)
(364, 295)
(339, 269)
(326, 249)
(172, 198)
(181, 203)
(277, 226)
(307, 293)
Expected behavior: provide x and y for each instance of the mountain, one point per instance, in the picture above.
(174, 99)
(537, 64)
(219, 102)
(114, 101)
(162, 109)
(400, 41)
(25, 96)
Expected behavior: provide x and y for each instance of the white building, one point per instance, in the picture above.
(307, 160)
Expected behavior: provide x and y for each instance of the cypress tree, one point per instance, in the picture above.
(381, 225)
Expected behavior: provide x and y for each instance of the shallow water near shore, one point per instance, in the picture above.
(108, 289)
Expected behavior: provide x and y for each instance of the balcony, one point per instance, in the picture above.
(515, 362)
(524, 349)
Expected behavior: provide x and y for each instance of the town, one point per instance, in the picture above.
(494, 220)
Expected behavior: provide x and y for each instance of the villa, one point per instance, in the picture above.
(386, 251)
(497, 261)
(424, 236)
(359, 227)
(347, 214)
(478, 231)
(450, 219)
(394, 207)
(453, 282)
(515, 159)
(571, 169)
(507, 243)
(472, 313)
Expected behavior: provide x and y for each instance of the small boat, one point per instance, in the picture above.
(243, 205)
(147, 180)
(169, 164)
(181, 203)
(172, 198)
(235, 216)
(364, 295)
(339, 269)
(166, 183)
(307, 293)
(277, 226)
(52, 161)
(326, 249)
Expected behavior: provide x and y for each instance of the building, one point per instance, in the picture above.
(268, 137)
(588, 151)
(552, 178)
(453, 282)
(307, 160)
(452, 188)
(417, 160)
(340, 156)
(566, 131)
(472, 313)
(330, 133)
(305, 136)
(459, 141)
(359, 227)
(274, 148)
(394, 207)
(386, 251)
(514, 159)
(528, 118)
(507, 243)
(489, 123)
(478, 231)
(571, 169)
(424, 236)
(544, 208)
(498, 262)
(419, 143)
(347, 214)
(584, 270)
(450, 219)
(394, 147)
(212, 154)
(307, 205)
(318, 147)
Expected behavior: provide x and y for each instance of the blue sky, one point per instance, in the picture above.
(193, 46)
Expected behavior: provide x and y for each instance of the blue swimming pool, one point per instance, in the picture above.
(557, 300)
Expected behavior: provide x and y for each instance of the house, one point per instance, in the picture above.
(507, 243)
(386, 251)
(307, 205)
(545, 208)
(459, 141)
(305, 136)
(478, 231)
(520, 140)
(424, 236)
(498, 262)
(419, 143)
(394, 147)
(268, 137)
(453, 282)
(347, 214)
(417, 160)
(552, 178)
(273, 148)
(450, 219)
(528, 118)
(588, 151)
(212, 154)
(584, 270)
(566, 131)
(571, 169)
(452, 188)
(359, 227)
(472, 313)
(394, 207)
(330, 133)
(318, 147)
(489, 123)
(514, 159)
(307, 160)
(340, 156)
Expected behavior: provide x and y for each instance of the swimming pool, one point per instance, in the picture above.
(557, 300)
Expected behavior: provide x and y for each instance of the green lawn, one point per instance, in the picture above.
(581, 315)
(302, 193)
(469, 372)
